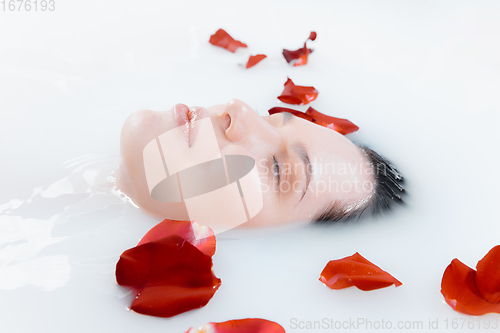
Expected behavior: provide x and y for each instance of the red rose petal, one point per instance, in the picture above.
(249, 325)
(222, 39)
(200, 236)
(300, 55)
(488, 276)
(254, 60)
(299, 95)
(343, 126)
(356, 271)
(170, 276)
(459, 289)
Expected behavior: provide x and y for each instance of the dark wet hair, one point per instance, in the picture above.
(388, 192)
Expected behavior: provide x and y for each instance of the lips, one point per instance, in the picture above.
(181, 116)
(194, 114)
(186, 118)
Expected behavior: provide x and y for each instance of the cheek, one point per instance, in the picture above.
(251, 189)
(268, 214)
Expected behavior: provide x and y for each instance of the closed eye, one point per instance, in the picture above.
(276, 171)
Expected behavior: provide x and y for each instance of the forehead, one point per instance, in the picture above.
(325, 146)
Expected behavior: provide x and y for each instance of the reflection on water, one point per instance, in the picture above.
(48, 273)
(62, 233)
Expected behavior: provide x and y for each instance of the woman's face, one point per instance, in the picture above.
(302, 167)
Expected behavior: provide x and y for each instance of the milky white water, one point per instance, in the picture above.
(420, 79)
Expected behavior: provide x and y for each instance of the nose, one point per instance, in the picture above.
(244, 124)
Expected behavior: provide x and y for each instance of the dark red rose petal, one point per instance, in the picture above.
(459, 289)
(298, 95)
(300, 55)
(200, 236)
(343, 126)
(170, 276)
(356, 271)
(488, 276)
(222, 39)
(249, 325)
(254, 60)
(169, 301)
